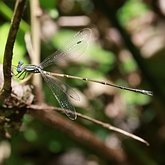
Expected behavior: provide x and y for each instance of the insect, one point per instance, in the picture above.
(60, 90)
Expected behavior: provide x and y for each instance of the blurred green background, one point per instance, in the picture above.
(107, 58)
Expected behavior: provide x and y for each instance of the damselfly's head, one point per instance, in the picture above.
(19, 66)
(19, 71)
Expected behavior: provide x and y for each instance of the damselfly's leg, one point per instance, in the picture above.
(24, 75)
(20, 74)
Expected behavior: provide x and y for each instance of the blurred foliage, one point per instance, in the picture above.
(38, 143)
(131, 10)
(19, 47)
(7, 13)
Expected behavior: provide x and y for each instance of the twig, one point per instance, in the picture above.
(77, 132)
(19, 7)
(103, 124)
(112, 128)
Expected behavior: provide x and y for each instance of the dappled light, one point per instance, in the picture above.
(82, 82)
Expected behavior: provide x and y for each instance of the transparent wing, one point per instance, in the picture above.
(60, 92)
(76, 46)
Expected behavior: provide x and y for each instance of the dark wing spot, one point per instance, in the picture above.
(78, 42)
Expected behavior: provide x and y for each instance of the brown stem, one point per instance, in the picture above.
(36, 44)
(77, 132)
(19, 7)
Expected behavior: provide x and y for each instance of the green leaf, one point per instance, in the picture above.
(30, 135)
(129, 65)
(135, 98)
(131, 9)
(19, 46)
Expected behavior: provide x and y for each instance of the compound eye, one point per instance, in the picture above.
(20, 62)
(19, 69)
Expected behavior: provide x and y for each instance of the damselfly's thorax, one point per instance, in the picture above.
(21, 70)
(27, 68)
(32, 68)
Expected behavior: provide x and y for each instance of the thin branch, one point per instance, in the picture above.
(112, 128)
(100, 123)
(77, 132)
(18, 11)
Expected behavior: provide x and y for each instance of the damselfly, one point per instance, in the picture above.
(60, 90)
